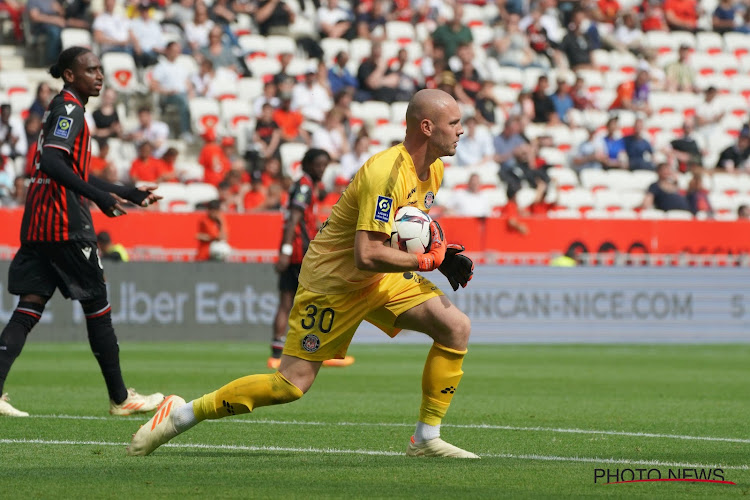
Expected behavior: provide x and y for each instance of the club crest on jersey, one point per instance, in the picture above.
(62, 127)
(311, 343)
(429, 199)
(383, 209)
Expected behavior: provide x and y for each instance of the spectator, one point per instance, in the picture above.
(709, 113)
(638, 149)
(374, 81)
(310, 97)
(510, 46)
(154, 131)
(32, 128)
(510, 211)
(607, 11)
(12, 134)
(18, 197)
(467, 75)
(735, 157)
(353, 160)
(268, 97)
(452, 34)
(535, 25)
(682, 15)
(219, 53)
(524, 108)
(100, 161)
(114, 252)
(180, 13)
(211, 228)
(546, 16)
(42, 100)
(745, 26)
(290, 121)
(267, 135)
(112, 30)
(106, 120)
(407, 85)
(331, 137)
(664, 194)
(487, 104)
(47, 18)
(224, 13)
(591, 153)
(540, 207)
(576, 44)
(628, 34)
(171, 81)
(470, 202)
(633, 94)
(255, 200)
(169, 165)
(271, 172)
(544, 107)
(196, 31)
(336, 21)
(208, 77)
(697, 196)
(7, 179)
(371, 23)
(686, 148)
(743, 212)
(146, 168)
(680, 75)
(339, 77)
(514, 154)
(562, 100)
(147, 36)
(214, 159)
(653, 17)
(723, 17)
(475, 147)
(582, 99)
(274, 17)
(615, 146)
(15, 14)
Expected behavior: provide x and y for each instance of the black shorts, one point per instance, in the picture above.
(289, 278)
(72, 266)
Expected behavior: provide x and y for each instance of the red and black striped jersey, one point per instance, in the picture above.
(303, 196)
(54, 212)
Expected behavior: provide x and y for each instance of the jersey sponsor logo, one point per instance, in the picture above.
(69, 108)
(429, 199)
(87, 252)
(383, 209)
(62, 127)
(414, 190)
(311, 343)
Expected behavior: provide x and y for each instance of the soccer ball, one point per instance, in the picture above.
(219, 250)
(411, 230)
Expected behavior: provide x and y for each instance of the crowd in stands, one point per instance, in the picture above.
(559, 98)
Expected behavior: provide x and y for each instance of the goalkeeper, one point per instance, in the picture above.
(348, 275)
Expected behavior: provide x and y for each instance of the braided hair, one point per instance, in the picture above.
(310, 156)
(66, 60)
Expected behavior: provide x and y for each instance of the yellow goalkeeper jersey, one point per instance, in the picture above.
(385, 183)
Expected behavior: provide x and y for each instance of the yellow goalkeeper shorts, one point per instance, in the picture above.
(322, 326)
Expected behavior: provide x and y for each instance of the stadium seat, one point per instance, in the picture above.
(525, 197)
(276, 45)
(737, 43)
(565, 178)
(291, 156)
(387, 133)
(453, 176)
(679, 215)
(662, 41)
(721, 202)
(400, 31)
(556, 158)
(235, 111)
(71, 37)
(683, 38)
(398, 112)
(642, 179)
(594, 179)
(120, 72)
(625, 214)
(631, 199)
(200, 192)
(709, 42)
(483, 35)
(331, 47)
(359, 49)
(652, 214)
(12, 82)
(253, 46)
(264, 67)
(607, 199)
(569, 213)
(710, 64)
(249, 88)
(496, 197)
(172, 194)
(374, 113)
(597, 213)
(505, 94)
(204, 113)
(506, 75)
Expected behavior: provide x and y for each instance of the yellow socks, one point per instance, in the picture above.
(244, 394)
(442, 372)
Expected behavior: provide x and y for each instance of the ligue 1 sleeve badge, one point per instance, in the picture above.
(311, 343)
(429, 199)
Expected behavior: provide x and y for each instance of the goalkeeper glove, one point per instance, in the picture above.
(431, 260)
(458, 268)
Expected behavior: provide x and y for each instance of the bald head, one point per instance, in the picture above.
(427, 104)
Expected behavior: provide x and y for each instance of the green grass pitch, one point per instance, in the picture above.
(544, 418)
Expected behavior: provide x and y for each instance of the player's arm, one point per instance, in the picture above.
(371, 253)
(142, 196)
(287, 237)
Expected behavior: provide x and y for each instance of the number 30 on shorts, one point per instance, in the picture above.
(324, 320)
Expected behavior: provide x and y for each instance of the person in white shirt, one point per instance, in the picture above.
(709, 113)
(12, 134)
(331, 137)
(148, 39)
(196, 31)
(470, 202)
(311, 98)
(353, 160)
(334, 21)
(150, 130)
(112, 30)
(475, 147)
(206, 81)
(172, 81)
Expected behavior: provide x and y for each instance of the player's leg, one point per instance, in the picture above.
(280, 325)
(450, 329)
(81, 278)
(31, 278)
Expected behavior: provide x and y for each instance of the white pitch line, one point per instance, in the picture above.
(344, 451)
(457, 426)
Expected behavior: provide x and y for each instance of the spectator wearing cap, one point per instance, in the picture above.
(148, 39)
(682, 15)
(310, 97)
(172, 82)
(112, 30)
(576, 44)
(214, 159)
(453, 33)
(114, 252)
(591, 153)
(211, 227)
(638, 149)
(154, 131)
(562, 100)
(544, 106)
(680, 75)
(475, 146)
(735, 157)
(290, 121)
(664, 194)
(335, 21)
(353, 160)
(633, 95)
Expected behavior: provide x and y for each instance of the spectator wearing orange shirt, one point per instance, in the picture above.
(290, 121)
(653, 18)
(146, 168)
(510, 211)
(682, 15)
(99, 162)
(608, 10)
(169, 162)
(255, 198)
(214, 160)
(633, 94)
(540, 206)
(212, 227)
